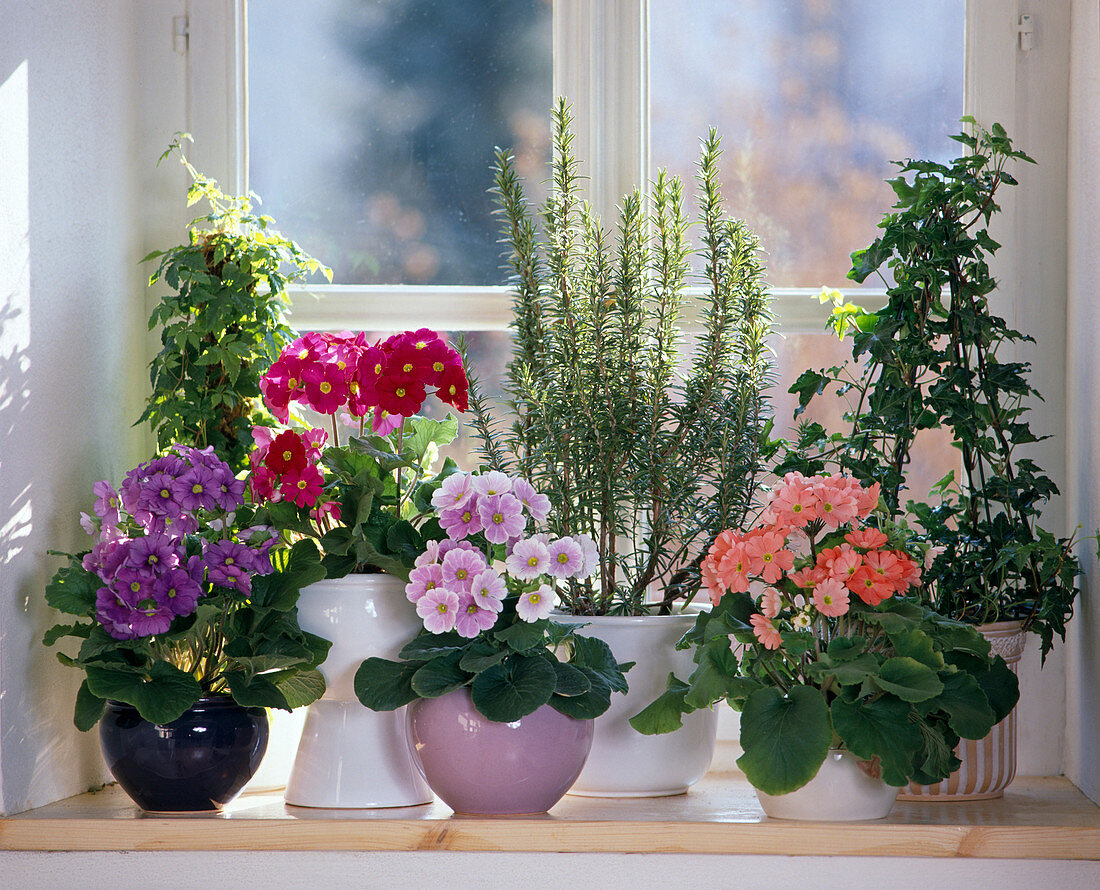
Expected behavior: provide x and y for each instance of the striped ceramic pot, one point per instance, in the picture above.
(989, 764)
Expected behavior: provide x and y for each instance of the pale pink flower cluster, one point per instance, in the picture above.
(456, 585)
(782, 555)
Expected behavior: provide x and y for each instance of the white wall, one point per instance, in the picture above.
(80, 131)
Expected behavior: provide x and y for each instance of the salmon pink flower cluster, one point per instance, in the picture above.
(459, 583)
(165, 539)
(810, 555)
(389, 379)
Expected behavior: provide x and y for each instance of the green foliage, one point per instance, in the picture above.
(384, 486)
(222, 323)
(251, 648)
(649, 458)
(934, 357)
(511, 671)
(897, 682)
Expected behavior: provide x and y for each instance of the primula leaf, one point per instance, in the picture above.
(785, 737)
(279, 591)
(73, 591)
(58, 631)
(160, 697)
(908, 679)
(480, 655)
(593, 654)
(514, 688)
(89, 708)
(429, 645)
(879, 728)
(426, 432)
(571, 681)
(666, 712)
(916, 644)
(383, 685)
(847, 673)
(523, 635)
(439, 676)
(967, 708)
(255, 691)
(717, 676)
(846, 648)
(301, 687)
(588, 705)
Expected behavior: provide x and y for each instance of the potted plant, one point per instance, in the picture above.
(187, 630)
(366, 502)
(222, 321)
(933, 357)
(841, 668)
(648, 453)
(498, 723)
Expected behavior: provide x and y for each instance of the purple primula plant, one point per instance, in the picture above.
(183, 596)
(486, 593)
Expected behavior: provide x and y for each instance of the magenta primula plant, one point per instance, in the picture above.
(182, 596)
(485, 594)
(366, 502)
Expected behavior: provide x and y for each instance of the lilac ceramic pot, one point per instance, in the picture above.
(478, 766)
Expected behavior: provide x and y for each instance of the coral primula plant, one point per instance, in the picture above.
(836, 649)
(365, 502)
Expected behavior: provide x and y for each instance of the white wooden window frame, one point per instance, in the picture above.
(601, 63)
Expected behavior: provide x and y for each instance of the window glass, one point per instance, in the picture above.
(372, 127)
(813, 98)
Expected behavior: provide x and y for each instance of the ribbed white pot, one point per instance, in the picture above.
(623, 762)
(350, 756)
(842, 791)
(988, 765)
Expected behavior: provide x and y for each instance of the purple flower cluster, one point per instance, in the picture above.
(454, 584)
(142, 552)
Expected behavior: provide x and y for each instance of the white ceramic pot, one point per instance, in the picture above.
(623, 762)
(842, 791)
(989, 764)
(349, 756)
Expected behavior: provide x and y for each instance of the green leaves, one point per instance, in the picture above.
(160, 696)
(73, 590)
(785, 738)
(383, 685)
(879, 728)
(514, 688)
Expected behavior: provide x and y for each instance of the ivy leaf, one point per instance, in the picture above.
(785, 737)
(514, 688)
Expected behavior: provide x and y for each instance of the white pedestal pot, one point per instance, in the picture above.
(350, 756)
(623, 762)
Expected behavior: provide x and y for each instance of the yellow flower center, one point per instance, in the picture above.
(408, 367)
(442, 608)
(532, 560)
(420, 344)
(302, 484)
(196, 488)
(165, 493)
(378, 368)
(341, 365)
(437, 367)
(287, 455)
(498, 518)
(292, 383)
(135, 586)
(171, 592)
(461, 574)
(563, 558)
(401, 392)
(325, 387)
(229, 560)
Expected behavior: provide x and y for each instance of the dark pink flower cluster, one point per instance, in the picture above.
(285, 467)
(390, 378)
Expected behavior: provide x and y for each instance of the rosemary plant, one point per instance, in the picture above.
(649, 453)
(930, 359)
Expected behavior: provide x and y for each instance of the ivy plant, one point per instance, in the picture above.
(222, 322)
(935, 356)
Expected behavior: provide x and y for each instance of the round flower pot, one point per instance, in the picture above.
(349, 756)
(623, 762)
(196, 763)
(481, 767)
(989, 764)
(844, 790)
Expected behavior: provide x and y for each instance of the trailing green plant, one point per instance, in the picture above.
(223, 321)
(649, 453)
(934, 357)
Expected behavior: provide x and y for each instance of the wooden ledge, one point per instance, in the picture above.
(1039, 818)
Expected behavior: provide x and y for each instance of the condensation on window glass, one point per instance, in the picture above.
(372, 127)
(813, 99)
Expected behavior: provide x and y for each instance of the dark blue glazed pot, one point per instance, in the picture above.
(199, 762)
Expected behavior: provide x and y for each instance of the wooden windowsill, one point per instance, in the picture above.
(1039, 818)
